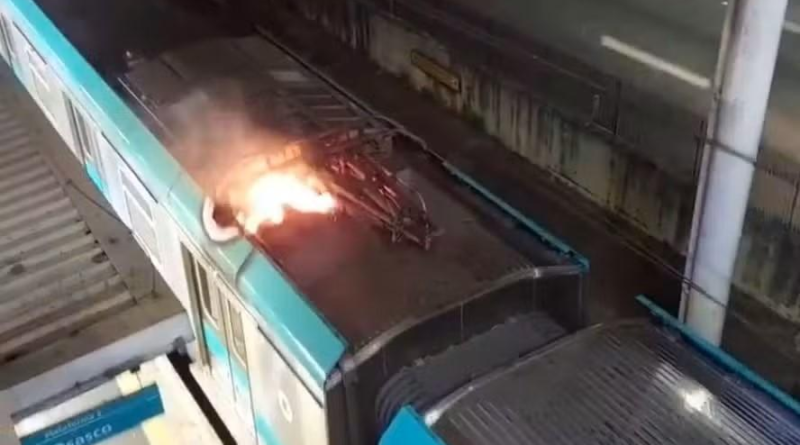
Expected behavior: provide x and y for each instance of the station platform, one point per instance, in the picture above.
(147, 405)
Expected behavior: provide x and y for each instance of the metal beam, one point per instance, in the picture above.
(742, 84)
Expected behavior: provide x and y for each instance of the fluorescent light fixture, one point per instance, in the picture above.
(655, 62)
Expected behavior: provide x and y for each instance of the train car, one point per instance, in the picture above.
(641, 381)
(321, 251)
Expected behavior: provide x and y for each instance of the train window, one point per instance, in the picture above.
(85, 141)
(7, 43)
(205, 291)
(209, 295)
(201, 284)
(18, 40)
(38, 67)
(75, 146)
(41, 83)
(141, 201)
(215, 303)
(202, 278)
(237, 333)
(141, 216)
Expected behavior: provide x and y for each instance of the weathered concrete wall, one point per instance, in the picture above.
(633, 163)
(622, 181)
(769, 254)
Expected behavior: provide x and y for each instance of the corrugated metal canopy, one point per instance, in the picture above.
(631, 383)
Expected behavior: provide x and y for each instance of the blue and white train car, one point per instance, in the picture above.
(303, 327)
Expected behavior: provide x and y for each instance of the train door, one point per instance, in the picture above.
(237, 354)
(85, 143)
(220, 322)
(74, 143)
(213, 327)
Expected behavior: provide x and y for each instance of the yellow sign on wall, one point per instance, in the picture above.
(434, 69)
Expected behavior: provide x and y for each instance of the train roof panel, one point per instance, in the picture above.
(627, 383)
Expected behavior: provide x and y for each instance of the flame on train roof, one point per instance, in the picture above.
(271, 195)
(264, 189)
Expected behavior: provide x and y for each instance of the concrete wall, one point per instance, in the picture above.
(636, 162)
(770, 248)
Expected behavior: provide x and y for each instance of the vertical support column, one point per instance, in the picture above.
(742, 84)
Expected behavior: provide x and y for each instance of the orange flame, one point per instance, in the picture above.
(271, 194)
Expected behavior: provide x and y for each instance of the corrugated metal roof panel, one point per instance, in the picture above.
(432, 378)
(54, 276)
(623, 384)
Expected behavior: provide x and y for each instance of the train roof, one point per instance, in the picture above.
(631, 382)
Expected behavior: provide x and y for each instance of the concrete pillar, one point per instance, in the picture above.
(744, 76)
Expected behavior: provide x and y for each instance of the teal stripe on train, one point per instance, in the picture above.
(266, 435)
(214, 344)
(297, 325)
(94, 175)
(219, 351)
(240, 378)
(408, 428)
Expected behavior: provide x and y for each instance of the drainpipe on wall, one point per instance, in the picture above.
(745, 67)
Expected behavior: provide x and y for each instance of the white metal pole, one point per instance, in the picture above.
(747, 59)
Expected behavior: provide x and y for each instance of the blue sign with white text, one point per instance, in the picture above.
(101, 423)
